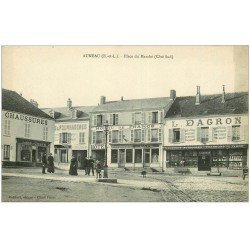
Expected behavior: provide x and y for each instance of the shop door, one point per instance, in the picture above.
(146, 157)
(33, 155)
(204, 163)
(121, 157)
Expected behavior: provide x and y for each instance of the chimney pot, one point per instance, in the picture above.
(102, 100)
(198, 96)
(172, 94)
(69, 103)
(223, 94)
(122, 98)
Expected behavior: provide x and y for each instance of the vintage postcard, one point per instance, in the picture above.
(125, 124)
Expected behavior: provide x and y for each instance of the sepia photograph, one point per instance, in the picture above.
(125, 123)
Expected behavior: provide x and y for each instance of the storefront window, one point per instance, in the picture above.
(154, 135)
(114, 156)
(155, 155)
(129, 155)
(41, 151)
(25, 155)
(64, 156)
(138, 155)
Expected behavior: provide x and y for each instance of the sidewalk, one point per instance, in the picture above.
(89, 179)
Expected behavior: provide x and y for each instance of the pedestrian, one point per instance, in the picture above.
(85, 165)
(102, 170)
(44, 162)
(91, 165)
(51, 168)
(73, 166)
(98, 169)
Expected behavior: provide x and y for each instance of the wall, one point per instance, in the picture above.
(17, 130)
(224, 123)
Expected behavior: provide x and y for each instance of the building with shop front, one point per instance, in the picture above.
(71, 132)
(207, 131)
(134, 131)
(27, 132)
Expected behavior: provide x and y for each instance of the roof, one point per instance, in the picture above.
(65, 114)
(236, 103)
(12, 101)
(135, 104)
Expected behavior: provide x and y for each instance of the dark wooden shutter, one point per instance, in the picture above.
(198, 134)
(170, 135)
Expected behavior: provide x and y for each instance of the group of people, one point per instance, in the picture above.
(90, 166)
(48, 163)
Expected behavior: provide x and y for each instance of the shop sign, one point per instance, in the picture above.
(210, 122)
(98, 147)
(26, 118)
(207, 147)
(77, 126)
(145, 126)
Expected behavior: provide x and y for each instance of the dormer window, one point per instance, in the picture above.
(51, 113)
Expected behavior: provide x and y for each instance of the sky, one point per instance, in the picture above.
(52, 74)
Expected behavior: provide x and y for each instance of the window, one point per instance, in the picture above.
(176, 135)
(26, 154)
(235, 133)
(129, 155)
(137, 118)
(6, 152)
(115, 119)
(27, 130)
(138, 155)
(64, 156)
(155, 117)
(81, 137)
(204, 134)
(99, 136)
(7, 127)
(154, 135)
(99, 120)
(114, 156)
(137, 135)
(115, 136)
(65, 138)
(155, 155)
(45, 133)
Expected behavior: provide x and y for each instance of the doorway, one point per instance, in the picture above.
(204, 163)
(33, 155)
(121, 158)
(146, 157)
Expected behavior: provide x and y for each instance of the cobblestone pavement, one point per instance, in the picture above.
(131, 187)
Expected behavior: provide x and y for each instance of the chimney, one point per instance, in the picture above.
(172, 94)
(102, 100)
(121, 98)
(20, 94)
(69, 103)
(33, 102)
(198, 96)
(223, 94)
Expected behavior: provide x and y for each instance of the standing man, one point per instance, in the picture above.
(44, 162)
(51, 164)
(91, 165)
(85, 165)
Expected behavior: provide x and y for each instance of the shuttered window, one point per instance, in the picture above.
(7, 127)
(94, 137)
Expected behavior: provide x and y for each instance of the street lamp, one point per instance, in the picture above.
(106, 125)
